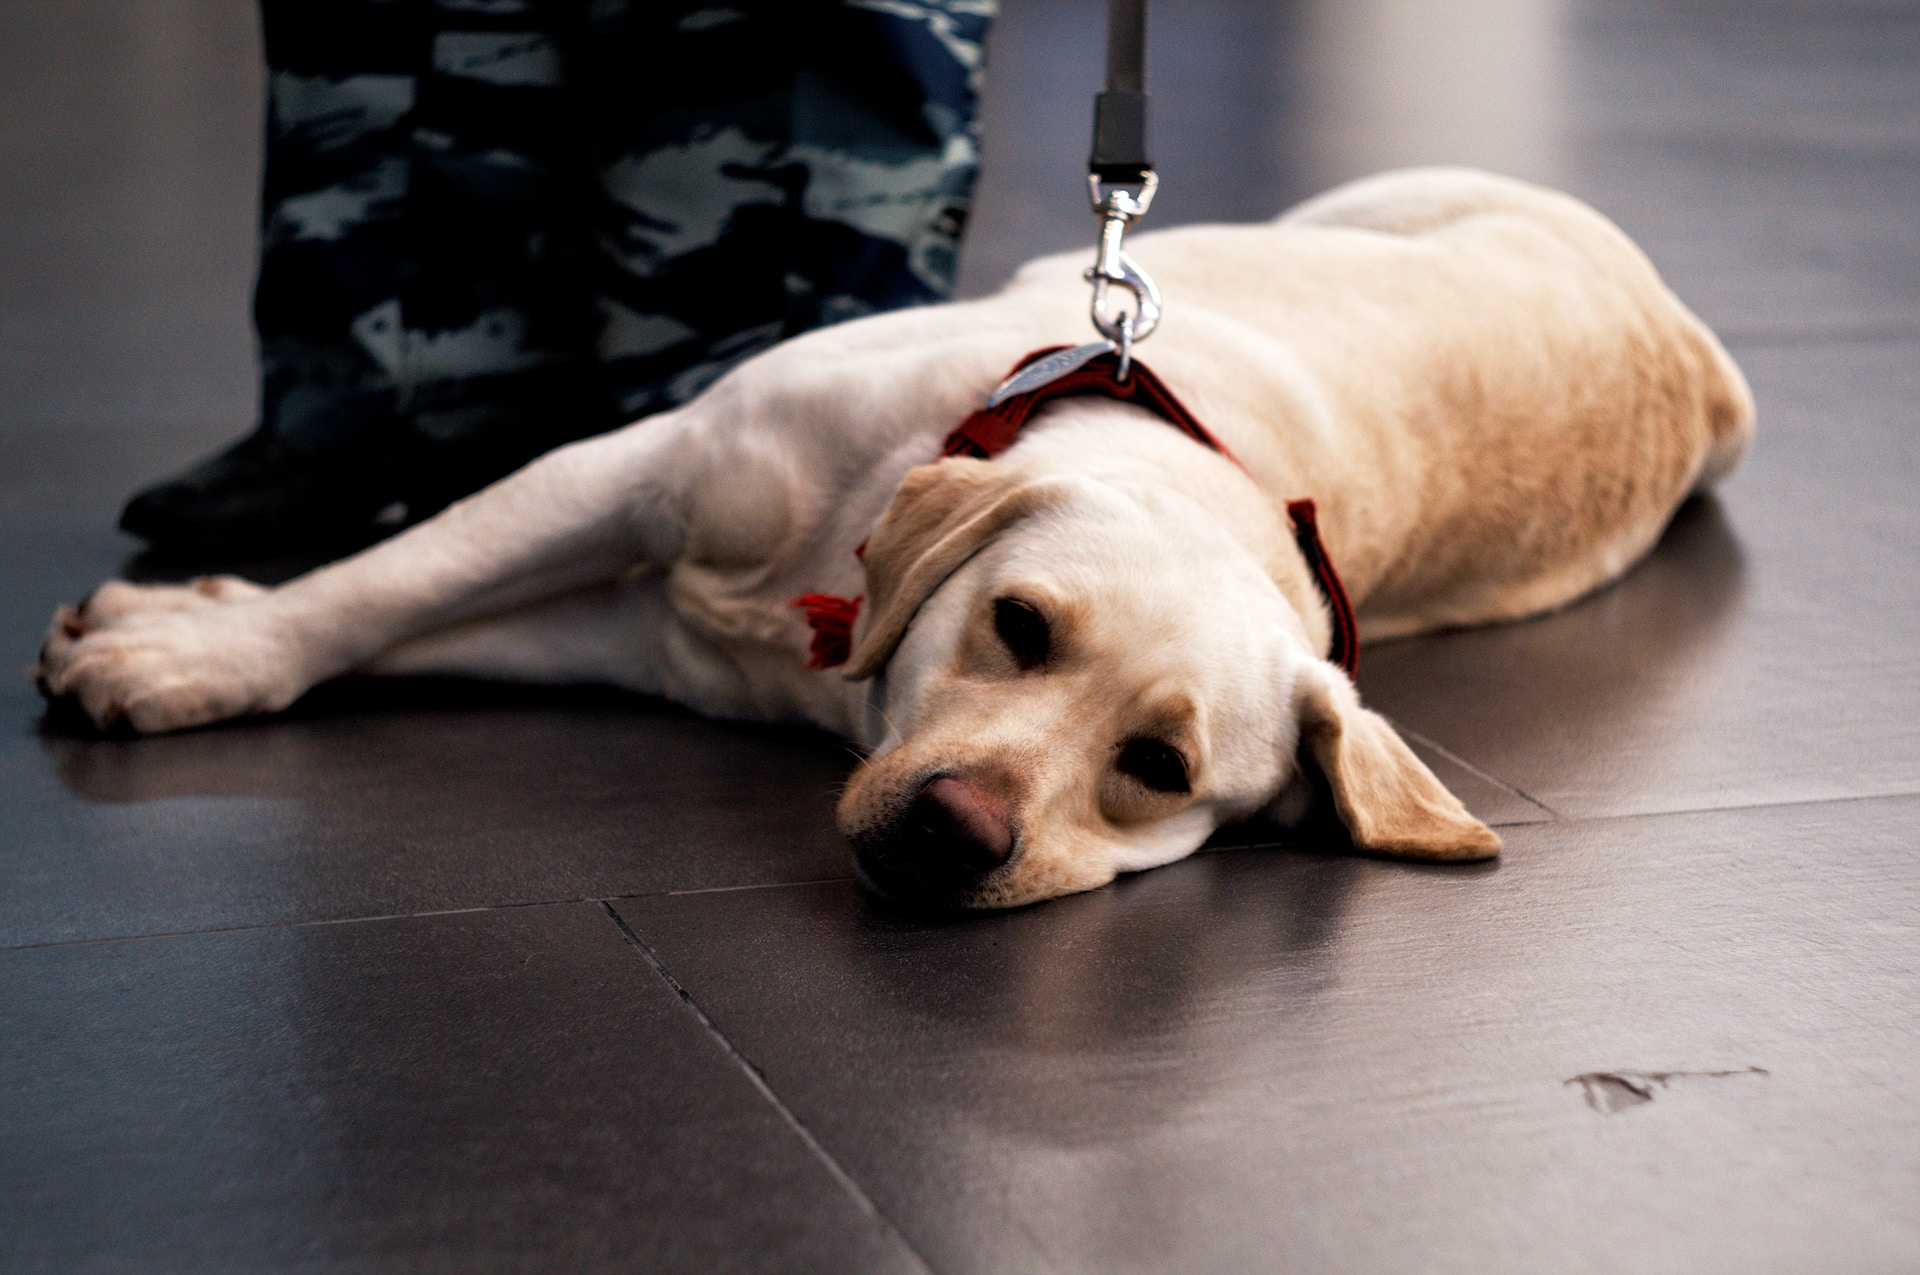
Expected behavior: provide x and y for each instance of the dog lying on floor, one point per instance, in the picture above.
(1079, 657)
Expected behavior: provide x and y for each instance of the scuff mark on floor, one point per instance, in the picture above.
(1608, 1092)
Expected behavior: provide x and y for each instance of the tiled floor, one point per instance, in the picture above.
(437, 978)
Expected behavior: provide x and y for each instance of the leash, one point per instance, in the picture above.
(1121, 184)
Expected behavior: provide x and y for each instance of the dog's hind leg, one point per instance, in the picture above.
(576, 518)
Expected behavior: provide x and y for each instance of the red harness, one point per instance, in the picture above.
(991, 430)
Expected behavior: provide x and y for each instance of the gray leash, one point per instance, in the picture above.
(1121, 182)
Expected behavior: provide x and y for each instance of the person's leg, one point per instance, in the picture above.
(885, 129)
(771, 167)
(497, 311)
(423, 317)
(341, 85)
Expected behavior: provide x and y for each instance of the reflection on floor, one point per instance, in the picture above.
(455, 979)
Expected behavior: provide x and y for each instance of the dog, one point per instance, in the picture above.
(1080, 657)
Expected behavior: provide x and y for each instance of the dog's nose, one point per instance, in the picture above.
(962, 823)
(954, 833)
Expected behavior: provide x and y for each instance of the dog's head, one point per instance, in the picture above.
(1079, 677)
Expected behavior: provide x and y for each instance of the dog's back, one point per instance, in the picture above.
(1425, 201)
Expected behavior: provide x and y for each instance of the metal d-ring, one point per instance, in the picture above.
(1125, 342)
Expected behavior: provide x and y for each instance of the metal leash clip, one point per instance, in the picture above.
(1121, 182)
(1117, 206)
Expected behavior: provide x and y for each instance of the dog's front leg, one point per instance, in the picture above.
(159, 660)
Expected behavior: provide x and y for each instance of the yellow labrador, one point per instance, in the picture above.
(1080, 657)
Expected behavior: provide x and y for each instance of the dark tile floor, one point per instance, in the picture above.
(439, 978)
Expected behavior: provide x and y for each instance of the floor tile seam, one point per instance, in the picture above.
(606, 901)
(759, 1081)
(371, 917)
(1470, 768)
(1578, 821)
(309, 924)
(1680, 812)
(735, 889)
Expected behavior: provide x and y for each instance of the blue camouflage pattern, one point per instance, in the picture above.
(493, 226)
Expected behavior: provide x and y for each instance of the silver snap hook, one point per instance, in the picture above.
(1118, 207)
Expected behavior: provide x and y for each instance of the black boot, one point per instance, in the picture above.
(264, 495)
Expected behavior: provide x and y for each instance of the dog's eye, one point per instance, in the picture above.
(1155, 764)
(1024, 630)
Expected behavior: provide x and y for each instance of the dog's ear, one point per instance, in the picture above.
(940, 516)
(1387, 798)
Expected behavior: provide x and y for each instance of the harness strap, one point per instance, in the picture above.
(986, 433)
(991, 430)
(1346, 632)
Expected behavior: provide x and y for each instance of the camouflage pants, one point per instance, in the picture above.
(492, 226)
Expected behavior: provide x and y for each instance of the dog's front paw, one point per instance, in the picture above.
(117, 599)
(164, 659)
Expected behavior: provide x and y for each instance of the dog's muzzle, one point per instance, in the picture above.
(954, 834)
